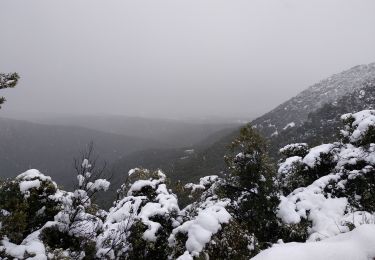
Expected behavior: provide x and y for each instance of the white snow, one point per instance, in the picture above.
(33, 174)
(99, 184)
(31, 245)
(204, 182)
(329, 215)
(32, 179)
(27, 185)
(363, 120)
(276, 133)
(138, 185)
(189, 151)
(165, 204)
(358, 244)
(362, 93)
(289, 125)
(185, 256)
(137, 208)
(132, 171)
(288, 165)
(293, 147)
(200, 230)
(85, 164)
(80, 179)
(313, 157)
(310, 203)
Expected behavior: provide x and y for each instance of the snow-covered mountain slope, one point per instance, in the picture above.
(295, 111)
(350, 91)
(325, 102)
(322, 125)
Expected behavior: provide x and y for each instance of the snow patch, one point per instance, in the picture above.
(358, 244)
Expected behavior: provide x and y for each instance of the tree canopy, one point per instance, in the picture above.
(7, 80)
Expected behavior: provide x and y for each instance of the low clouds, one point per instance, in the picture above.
(177, 58)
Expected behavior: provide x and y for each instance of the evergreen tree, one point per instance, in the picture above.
(250, 185)
(7, 81)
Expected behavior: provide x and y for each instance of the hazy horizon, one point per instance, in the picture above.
(176, 59)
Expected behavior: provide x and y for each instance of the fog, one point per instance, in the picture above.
(176, 58)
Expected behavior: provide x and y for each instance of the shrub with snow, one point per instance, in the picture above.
(298, 149)
(343, 196)
(297, 171)
(359, 127)
(193, 235)
(79, 221)
(26, 204)
(206, 227)
(141, 220)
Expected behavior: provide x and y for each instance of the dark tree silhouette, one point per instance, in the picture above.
(7, 81)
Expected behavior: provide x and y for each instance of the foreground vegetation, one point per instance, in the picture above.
(314, 194)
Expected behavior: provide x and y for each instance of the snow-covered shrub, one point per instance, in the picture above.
(78, 223)
(233, 241)
(40, 220)
(320, 160)
(199, 223)
(357, 177)
(292, 173)
(343, 196)
(30, 248)
(298, 149)
(139, 223)
(60, 243)
(359, 127)
(206, 229)
(191, 193)
(26, 204)
(297, 171)
(204, 183)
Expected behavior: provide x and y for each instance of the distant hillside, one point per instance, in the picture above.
(174, 133)
(176, 162)
(296, 110)
(51, 149)
(322, 125)
(312, 117)
(190, 150)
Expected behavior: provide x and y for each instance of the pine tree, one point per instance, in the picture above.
(250, 185)
(7, 81)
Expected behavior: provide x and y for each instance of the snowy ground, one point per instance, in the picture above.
(358, 244)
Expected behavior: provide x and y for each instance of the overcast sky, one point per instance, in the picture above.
(176, 58)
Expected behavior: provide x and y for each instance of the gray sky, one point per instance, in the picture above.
(172, 58)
